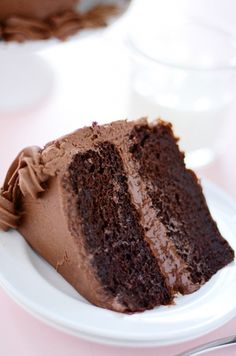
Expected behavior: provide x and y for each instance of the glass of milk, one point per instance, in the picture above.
(184, 73)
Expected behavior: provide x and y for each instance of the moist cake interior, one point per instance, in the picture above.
(178, 201)
(112, 234)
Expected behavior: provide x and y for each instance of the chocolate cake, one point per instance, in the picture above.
(115, 211)
(22, 20)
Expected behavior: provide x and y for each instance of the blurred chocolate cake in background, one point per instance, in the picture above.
(22, 20)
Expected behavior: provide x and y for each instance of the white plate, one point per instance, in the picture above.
(37, 287)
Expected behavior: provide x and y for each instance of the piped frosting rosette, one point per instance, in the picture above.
(25, 176)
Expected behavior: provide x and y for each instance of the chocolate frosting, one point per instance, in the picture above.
(8, 216)
(20, 29)
(31, 20)
(34, 8)
(65, 25)
(24, 177)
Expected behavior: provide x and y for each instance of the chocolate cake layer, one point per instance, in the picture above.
(179, 202)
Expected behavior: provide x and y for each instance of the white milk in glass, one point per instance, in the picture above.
(195, 103)
(184, 74)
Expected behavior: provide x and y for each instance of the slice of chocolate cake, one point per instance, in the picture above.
(114, 209)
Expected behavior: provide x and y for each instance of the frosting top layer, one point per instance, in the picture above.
(34, 8)
(40, 20)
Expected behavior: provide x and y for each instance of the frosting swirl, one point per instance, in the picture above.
(8, 217)
(62, 25)
(25, 176)
(65, 25)
(20, 29)
(99, 14)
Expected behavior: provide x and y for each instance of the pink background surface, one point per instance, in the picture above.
(64, 110)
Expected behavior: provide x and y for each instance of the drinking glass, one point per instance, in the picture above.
(184, 73)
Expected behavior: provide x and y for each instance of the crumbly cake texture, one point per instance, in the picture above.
(22, 20)
(114, 209)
